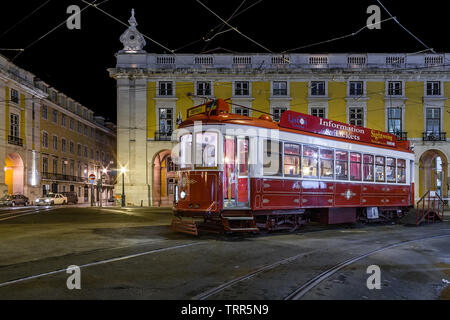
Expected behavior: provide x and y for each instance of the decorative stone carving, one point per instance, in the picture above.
(132, 40)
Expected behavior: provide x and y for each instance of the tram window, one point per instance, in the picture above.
(390, 169)
(272, 158)
(355, 166)
(243, 157)
(341, 165)
(185, 151)
(401, 171)
(368, 167)
(291, 160)
(326, 163)
(379, 168)
(205, 150)
(310, 162)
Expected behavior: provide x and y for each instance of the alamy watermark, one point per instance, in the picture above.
(74, 280)
(374, 280)
(74, 21)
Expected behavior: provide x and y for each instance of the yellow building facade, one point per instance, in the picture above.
(50, 142)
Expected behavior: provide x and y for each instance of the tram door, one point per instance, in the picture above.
(236, 172)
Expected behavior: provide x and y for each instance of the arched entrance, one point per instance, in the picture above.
(14, 173)
(433, 172)
(164, 179)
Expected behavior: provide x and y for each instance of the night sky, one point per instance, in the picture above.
(75, 61)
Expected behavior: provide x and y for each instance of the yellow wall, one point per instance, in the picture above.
(337, 107)
(376, 106)
(261, 93)
(9, 175)
(223, 90)
(151, 116)
(184, 102)
(299, 94)
(414, 114)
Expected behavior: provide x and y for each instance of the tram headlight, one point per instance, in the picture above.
(182, 194)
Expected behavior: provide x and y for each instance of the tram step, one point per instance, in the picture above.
(189, 227)
(243, 229)
(238, 218)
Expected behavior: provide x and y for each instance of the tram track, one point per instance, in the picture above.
(100, 262)
(13, 215)
(307, 286)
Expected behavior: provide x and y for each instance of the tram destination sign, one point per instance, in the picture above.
(326, 127)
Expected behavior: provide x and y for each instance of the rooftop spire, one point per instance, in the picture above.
(133, 41)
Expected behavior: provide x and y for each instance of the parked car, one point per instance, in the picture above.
(72, 197)
(51, 199)
(14, 200)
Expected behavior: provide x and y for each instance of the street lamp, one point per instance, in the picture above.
(123, 170)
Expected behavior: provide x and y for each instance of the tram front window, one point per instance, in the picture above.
(185, 151)
(206, 150)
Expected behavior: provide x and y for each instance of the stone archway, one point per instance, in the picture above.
(433, 172)
(14, 173)
(163, 179)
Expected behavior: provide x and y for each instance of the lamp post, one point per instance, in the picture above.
(122, 170)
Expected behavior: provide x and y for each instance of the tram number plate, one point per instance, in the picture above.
(372, 213)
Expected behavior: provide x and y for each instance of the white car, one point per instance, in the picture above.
(51, 199)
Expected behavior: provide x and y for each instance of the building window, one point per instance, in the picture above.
(280, 88)
(317, 88)
(55, 166)
(44, 112)
(79, 150)
(85, 130)
(433, 88)
(92, 154)
(79, 127)
(203, 88)
(63, 145)
(92, 132)
(55, 143)
(433, 120)
(356, 88)
(71, 124)
(241, 111)
(71, 145)
(33, 114)
(55, 116)
(63, 120)
(45, 139)
(165, 88)
(45, 165)
(97, 156)
(14, 96)
(395, 88)
(85, 114)
(14, 125)
(64, 167)
(356, 116)
(165, 120)
(395, 120)
(277, 113)
(86, 152)
(241, 88)
(318, 112)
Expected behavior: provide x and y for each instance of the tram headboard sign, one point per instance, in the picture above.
(304, 122)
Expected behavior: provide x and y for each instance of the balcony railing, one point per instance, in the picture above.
(15, 141)
(401, 136)
(62, 177)
(163, 136)
(434, 136)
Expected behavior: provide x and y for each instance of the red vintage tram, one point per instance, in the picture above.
(243, 174)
